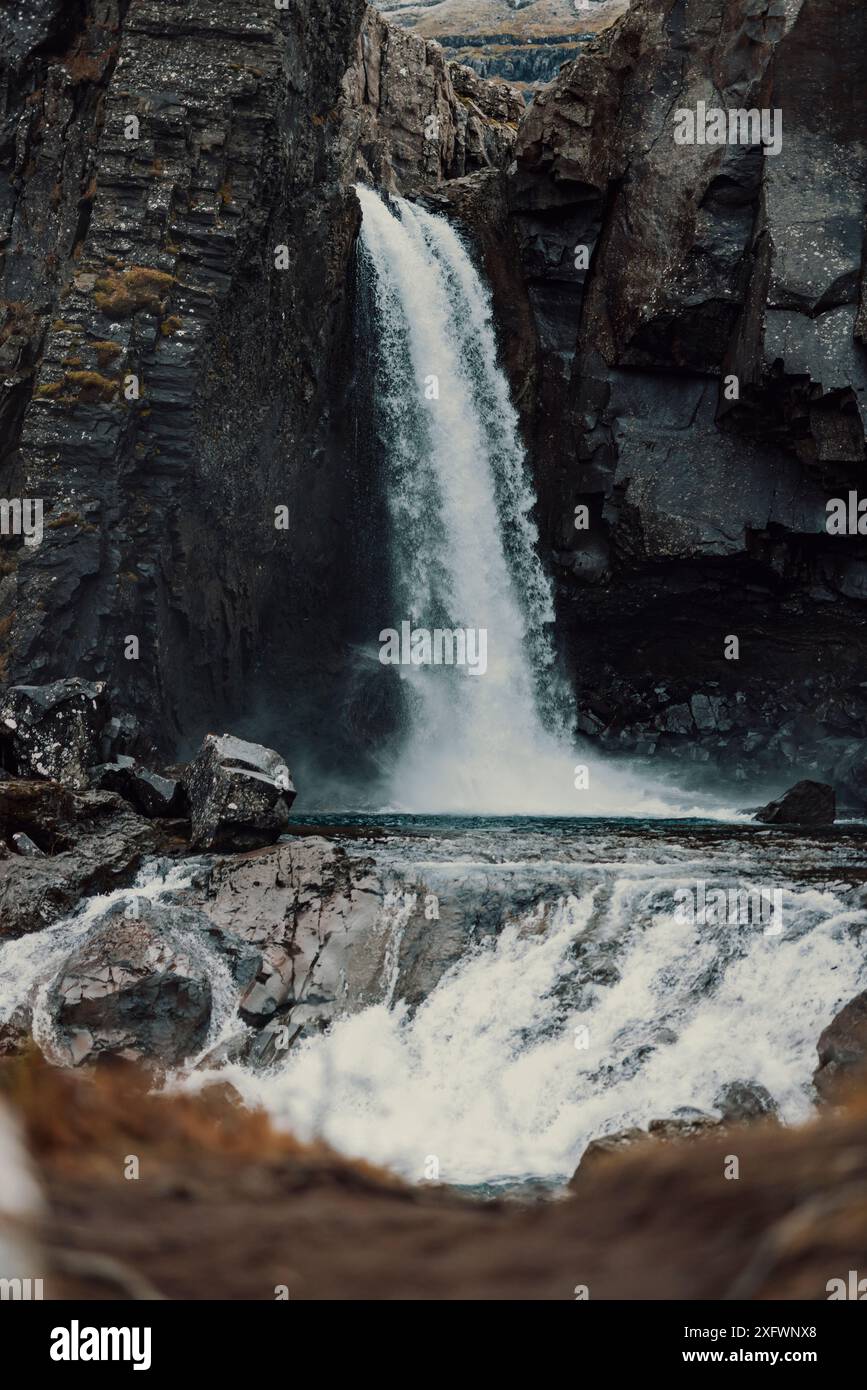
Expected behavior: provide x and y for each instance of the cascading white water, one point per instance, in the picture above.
(595, 1011)
(463, 546)
(454, 465)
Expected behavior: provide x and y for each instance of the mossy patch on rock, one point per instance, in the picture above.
(120, 294)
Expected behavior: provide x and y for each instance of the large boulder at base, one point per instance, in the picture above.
(239, 794)
(54, 731)
(842, 1049)
(806, 803)
(141, 987)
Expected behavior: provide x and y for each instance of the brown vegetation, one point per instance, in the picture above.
(119, 294)
(225, 1207)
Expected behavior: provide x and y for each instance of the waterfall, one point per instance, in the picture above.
(463, 546)
(463, 541)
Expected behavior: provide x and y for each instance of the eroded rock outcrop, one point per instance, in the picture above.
(164, 386)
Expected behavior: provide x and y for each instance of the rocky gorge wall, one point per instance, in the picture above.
(707, 515)
(166, 385)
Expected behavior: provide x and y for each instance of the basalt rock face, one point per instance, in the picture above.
(706, 505)
(164, 383)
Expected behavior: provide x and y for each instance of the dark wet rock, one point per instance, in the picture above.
(739, 1103)
(745, 1100)
(807, 803)
(15, 1033)
(92, 842)
(149, 792)
(54, 731)
(707, 516)
(842, 1049)
(123, 737)
(141, 986)
(239, 794)
(607, 1147)
(155, 257)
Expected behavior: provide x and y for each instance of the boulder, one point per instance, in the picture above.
(54, 731)
(685, 1126)
(842, 1049)
(92, 842)
(741, 1101)
(141, 987)
(806, 803)
(314, 912)
(149, 792)
(239, 794)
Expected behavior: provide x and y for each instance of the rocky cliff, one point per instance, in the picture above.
(410, 119)
(702, 382)
(175, 236)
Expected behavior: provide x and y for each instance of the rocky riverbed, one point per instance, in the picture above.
(489, 994)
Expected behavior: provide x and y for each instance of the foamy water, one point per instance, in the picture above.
(486, 1077)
